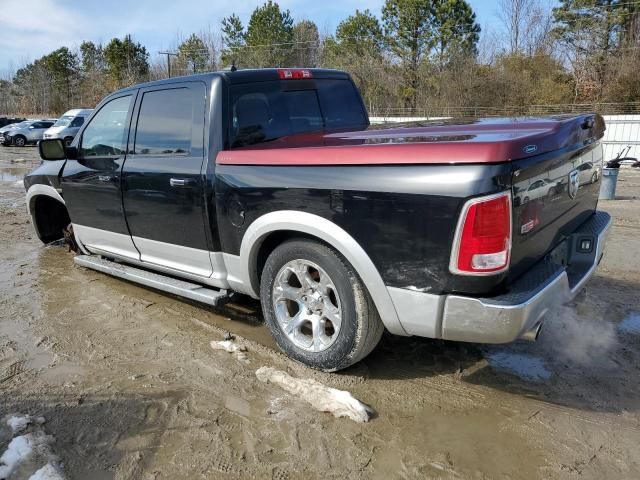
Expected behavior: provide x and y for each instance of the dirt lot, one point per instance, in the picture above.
(130, 387)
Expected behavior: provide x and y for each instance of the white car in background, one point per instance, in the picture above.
(67, 126)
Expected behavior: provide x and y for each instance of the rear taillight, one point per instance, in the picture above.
(291, 74)
(482, 244)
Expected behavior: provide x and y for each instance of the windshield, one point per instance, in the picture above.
(63, 121)
(264, 111)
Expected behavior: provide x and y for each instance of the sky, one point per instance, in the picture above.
(51, 24)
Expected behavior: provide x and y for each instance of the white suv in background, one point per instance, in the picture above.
(68, 125)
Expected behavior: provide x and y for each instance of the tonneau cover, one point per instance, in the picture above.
(485, 140)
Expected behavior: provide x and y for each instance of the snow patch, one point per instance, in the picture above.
(48, 472)
(325, 399)
(522, 365)
(631, 324)
(18, 450)
(18, 423)
(32, 448)
(238, 351)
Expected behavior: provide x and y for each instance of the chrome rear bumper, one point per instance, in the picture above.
(508, 317)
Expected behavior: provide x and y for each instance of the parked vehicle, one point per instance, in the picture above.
(272, 183)
(4, 121)
(32, 132)
(540, 188)
(67, 126)
(4, 131)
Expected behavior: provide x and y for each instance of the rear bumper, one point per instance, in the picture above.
(507, 317)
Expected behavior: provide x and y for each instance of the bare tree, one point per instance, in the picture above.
(527, 24)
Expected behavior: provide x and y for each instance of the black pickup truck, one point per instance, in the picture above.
(272, 183)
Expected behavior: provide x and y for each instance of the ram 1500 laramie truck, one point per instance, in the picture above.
(272, 183)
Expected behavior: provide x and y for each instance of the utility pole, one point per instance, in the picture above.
(168, 54)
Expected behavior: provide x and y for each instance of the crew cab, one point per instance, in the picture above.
(272, 183)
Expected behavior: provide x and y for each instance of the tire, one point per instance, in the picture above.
(594, 177)
(331, 289)
(19, 141)
(67, 141)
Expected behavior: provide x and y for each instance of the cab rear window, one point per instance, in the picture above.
(265, 111)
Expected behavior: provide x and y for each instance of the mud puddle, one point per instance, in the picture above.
(8, 174)
(631, 324)
(525, 366)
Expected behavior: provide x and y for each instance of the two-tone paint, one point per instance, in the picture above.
(388, 199)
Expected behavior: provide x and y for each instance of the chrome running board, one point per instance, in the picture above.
(189, 290)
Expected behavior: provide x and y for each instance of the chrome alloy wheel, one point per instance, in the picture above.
(307, 305)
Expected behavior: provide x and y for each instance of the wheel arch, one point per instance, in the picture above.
(273, 228)
(45, 193)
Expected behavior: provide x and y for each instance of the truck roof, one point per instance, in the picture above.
(241, 76)
(78, 111)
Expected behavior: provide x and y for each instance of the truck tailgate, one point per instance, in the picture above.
(553, 194)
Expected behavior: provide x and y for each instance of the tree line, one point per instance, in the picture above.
(412, 56)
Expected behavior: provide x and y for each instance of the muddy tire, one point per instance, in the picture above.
(316, 306)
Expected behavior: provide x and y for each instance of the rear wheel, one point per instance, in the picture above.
(19, 141)
(68, 140)
(316, 306)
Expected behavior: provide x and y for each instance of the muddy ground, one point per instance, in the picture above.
(130, 387)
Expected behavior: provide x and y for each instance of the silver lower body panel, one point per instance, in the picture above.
(514, 315)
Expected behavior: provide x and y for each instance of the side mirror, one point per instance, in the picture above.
(52, 149)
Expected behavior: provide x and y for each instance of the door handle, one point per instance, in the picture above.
(181, 182)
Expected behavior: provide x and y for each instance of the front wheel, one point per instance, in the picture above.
(19, 141)
(316, 306)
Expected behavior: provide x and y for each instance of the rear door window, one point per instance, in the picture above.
(265, 111)
(165, 123)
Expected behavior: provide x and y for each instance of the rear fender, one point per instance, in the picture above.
(240, 268)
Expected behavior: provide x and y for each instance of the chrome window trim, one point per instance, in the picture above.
(453, 261)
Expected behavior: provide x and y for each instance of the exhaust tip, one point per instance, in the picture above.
(533, 334)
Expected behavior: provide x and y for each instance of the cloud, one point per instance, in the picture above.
(44, 27)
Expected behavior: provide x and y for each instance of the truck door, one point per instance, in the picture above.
(91, 183)
(162, 179)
